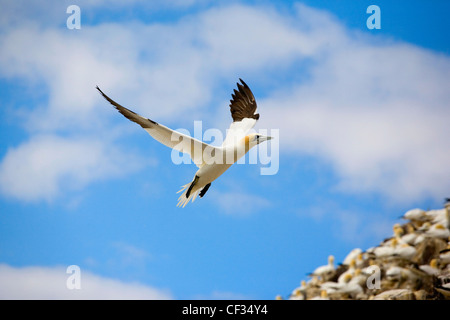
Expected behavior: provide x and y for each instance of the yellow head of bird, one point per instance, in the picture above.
(433, 263)
(254, 139)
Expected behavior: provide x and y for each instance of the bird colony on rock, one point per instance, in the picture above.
(414, 264)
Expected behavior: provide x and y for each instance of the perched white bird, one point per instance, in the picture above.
(360, 262)
(371, 269)
(331, 286)
(438, 216)
(415, 214)
(421, 233)
(351, 288)
(431, 268)
(359, 278)
(349, 272)
(386, 250)
(394, 273)
(297, 294)
(444, 256)
(212, 161)
(438, 231)
(299, 290)
(353, 255)
(397, 273)
(419, 239)
(346, 286)
(411, 236)
(405, 251)
(323, 296)
(326, 269)
(398, 230)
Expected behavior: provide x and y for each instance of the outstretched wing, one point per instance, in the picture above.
(243, 111)
(171, 138)
(243, 104)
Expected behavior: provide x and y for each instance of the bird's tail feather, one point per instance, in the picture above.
(183, 200)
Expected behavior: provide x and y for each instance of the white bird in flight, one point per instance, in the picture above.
(212, 161)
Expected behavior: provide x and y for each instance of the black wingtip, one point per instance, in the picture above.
(242, 81)
(205, 188)
(100, 90)
(115, 104)
(243, 104)
(107, 98)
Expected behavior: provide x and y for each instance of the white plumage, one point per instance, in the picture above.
(326, 269)
(212, 161)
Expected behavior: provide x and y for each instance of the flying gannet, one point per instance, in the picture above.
(212, 161)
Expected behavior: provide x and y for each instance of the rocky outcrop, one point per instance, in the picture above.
(414, 264)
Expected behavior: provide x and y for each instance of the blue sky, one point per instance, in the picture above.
(362, 117)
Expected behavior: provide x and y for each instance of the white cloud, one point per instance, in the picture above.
(375, 110)
(45, 283)
(140, 65)
(46, 165)
(53, 13)
(143, 65)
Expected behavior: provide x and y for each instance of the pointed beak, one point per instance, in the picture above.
(263, 138)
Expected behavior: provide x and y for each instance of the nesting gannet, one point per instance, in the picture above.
(401, 274)
(387, 250)
(301, 290)
(431, 268)
(297, 294)
(405, 251)
(398, 233)
(372, 269)
(351, 288)
(411, 236)
(421, 233)
(444, 256)
(398, 230)
(325, 270)
(439, 216)
(359, 278)
(331, 286)
(323, 296)
(424, 227)
(353, 255)
(346, 286)
(212, 161)
(360, 260)
(415, 214)
(438, 231)
(349, 272)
